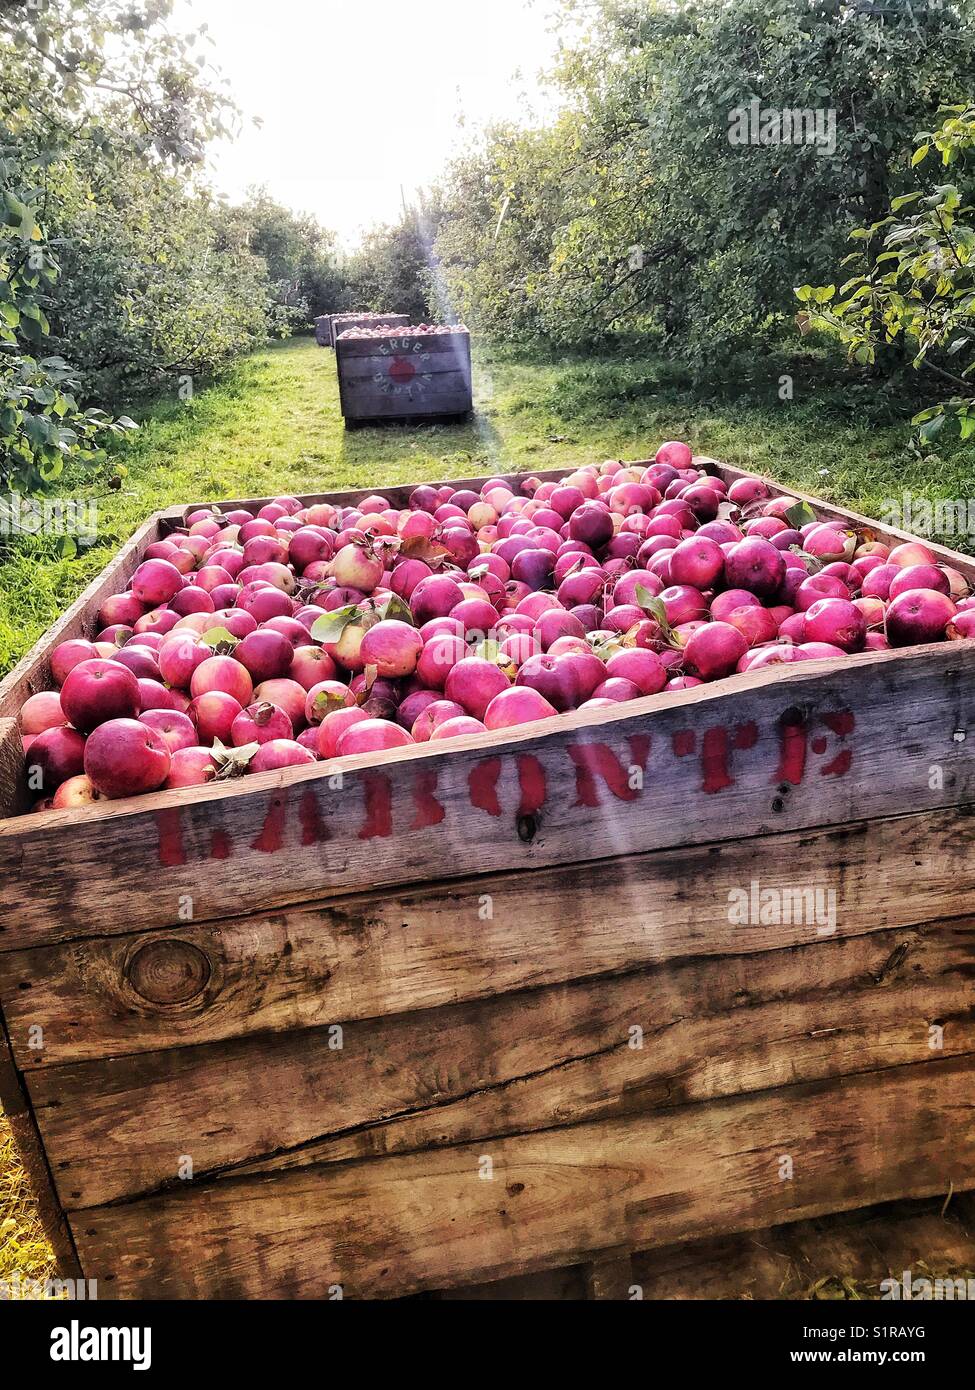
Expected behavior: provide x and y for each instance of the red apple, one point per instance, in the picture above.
(97, 691)
(125, 758)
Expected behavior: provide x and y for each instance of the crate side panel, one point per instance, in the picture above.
(432, 1220)
(395, 953)
(540, 1059)
(768, 752)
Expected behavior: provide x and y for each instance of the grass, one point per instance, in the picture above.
(274, 425)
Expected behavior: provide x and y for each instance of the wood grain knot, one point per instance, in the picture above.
(169, 972)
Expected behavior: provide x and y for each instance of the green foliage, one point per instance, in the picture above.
(640, 205)
(74, 99)
(300, 256)
(915, 280)
(118, 268)
(42, 425)
(393, 270)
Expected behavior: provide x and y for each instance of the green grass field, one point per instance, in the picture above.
(274, 425)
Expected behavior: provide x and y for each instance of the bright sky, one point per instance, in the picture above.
(361, 97)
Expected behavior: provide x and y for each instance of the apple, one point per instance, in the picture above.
(42, 711)
(97, 691)
(55, 756)
(125, 758)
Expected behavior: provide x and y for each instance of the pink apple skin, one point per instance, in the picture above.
(836, 621)
(155, 695)
(225, 674)
(265, 654)
(461, 727)
(96, 691)
(191, 600)
(191, 767)
(326, 697)
(920, 577)
(473, 683)
(517, 705)
(644, 668)
(310, 666)
(918, 616)
(141, 661)
(334, 725)
(75, 792)
(413, 705)
(393, 647)
(67, 655)
(55, 756)
(42, 711)
(156, 582)
(120, 609)
(715, 650)
(260, 723)
(287, 695)
(214, 715)
(180, 655)
(173, 729)
(432, 717)
(756, 565)
(125, 758)
(372, 736)
(279, 753)
(697, 561)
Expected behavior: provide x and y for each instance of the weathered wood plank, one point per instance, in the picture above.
(538, 1059)
(865, 1246)
(381, 954)
(13, 789)
(759, 753)
(609, 1280)
(16, 1107)
(512, 1206)
(405, 376)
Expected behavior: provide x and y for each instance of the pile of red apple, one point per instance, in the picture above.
(414, 330)
(253, 643)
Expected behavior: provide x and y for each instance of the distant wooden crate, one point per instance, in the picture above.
(340, 323)
(415, 377)
(323, 330)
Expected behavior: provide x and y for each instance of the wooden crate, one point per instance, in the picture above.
(411, 378)
(382, 1032)
(339, 323)
(323, 330)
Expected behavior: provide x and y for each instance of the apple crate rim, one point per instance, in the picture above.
(32, 673)
(314, 906)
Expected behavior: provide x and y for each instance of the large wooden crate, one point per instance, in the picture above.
(478, 1011)
(415, 378)
(323, 330)
(340, 323)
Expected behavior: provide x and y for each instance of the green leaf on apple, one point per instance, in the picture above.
(221, 639)
(330, 626)
(800, 515)
(396, 607)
